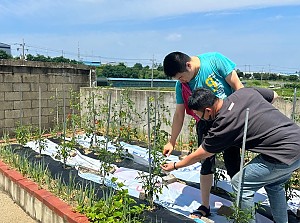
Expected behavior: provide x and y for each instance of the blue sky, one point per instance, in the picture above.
(258, 35)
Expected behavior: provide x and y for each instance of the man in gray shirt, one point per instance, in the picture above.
(271, 134)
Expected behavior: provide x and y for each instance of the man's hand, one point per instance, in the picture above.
(168, 166)
(168, 148)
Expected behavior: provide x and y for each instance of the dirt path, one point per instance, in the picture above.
(10, 212)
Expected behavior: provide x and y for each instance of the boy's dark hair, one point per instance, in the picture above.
(175, 62)
(200, 99)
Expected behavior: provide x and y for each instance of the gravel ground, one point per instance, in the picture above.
(10, 212)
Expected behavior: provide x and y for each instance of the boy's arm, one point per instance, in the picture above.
(177, 124)
(274, 97)
(233, 80)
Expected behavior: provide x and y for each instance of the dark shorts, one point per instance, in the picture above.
(231, 155)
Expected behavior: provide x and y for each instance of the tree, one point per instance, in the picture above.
(138, 66)
(4, 55)
(293, 78)
(160, 67)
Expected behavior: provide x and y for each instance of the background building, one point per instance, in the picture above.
(5, 48)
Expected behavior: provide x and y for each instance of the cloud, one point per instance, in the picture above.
(174, 37)
(276, 18)
(143, 28)
(99, 11)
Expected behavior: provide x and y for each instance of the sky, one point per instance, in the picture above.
(258, 35)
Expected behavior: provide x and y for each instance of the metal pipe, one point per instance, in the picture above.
(242, 158)
(294, 104)
(108, 120)
(149, 137)
(40, 110)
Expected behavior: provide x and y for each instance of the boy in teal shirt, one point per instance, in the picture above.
(216, 73)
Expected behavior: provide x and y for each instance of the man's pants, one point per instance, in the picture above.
(272, 176)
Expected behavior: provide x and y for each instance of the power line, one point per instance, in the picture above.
(148, 61)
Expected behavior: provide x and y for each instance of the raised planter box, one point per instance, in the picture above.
(40, 204)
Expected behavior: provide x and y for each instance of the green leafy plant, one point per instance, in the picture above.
(290, 184)
(157, 138)
(115, 206)
(64, 150)
(128, 117)
(239, 215)
(23, 134)
(220, 173)
(106, 158)
(88, 122)
(193, 142)
(39, 139)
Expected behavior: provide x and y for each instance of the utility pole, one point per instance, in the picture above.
(22, 45)
(78, 52)
(152, 70)
(23, 50)
(262, 72)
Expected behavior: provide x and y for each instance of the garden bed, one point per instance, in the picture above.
(183, 195)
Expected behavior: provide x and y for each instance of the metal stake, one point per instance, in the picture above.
(242, 159)
(294, 104)
(21, 106)
(108, 120)
(40, 110)
(149, 137)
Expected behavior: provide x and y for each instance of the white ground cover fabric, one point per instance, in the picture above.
(177, 197)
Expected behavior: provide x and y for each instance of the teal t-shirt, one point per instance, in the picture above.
(214, 68)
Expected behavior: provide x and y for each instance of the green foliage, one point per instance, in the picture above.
(292, 85)
(127, 117)
(151, 182)
(193, 141)
(4, 55)
(137, 71)
(23, 134)
(43, 58)
(239, 215)
(39, 139)
(74, 118)
(220, 173)
(38, 171)
(64, 150)
(106, 158)
(291, 184)
(89, 119)
(115, 206)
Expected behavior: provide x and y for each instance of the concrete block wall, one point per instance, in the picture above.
(20, 82)
(140, 103)
(168, 98)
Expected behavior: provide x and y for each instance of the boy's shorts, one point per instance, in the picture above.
(231, 155)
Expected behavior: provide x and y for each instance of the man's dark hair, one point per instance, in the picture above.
(175, 62)
(201, 98)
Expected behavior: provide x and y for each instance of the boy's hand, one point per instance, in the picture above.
(168, 148)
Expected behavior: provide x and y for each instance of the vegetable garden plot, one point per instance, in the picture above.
(177, 197)
(109, 157)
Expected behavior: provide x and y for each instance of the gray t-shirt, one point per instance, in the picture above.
(269, 131)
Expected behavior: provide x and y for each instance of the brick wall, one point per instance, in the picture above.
(20, 82)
